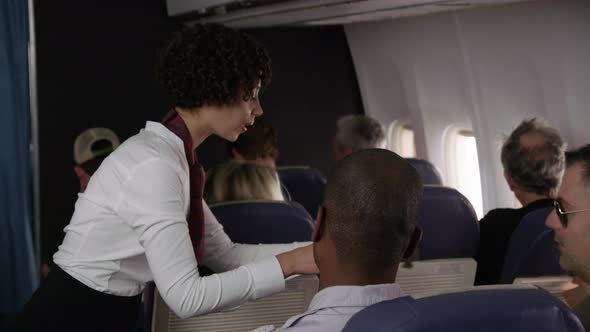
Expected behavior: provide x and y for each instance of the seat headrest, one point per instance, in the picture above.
(523, 310)
(305, 185)
(429, 174)
(264, 221)
(449, 224)
(522, 242)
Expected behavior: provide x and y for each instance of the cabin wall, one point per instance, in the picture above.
(485, 69)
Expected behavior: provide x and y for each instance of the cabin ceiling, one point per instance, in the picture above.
(271, 13)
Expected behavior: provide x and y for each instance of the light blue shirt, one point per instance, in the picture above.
(332, 307)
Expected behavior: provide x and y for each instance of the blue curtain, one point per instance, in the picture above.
(18, 276)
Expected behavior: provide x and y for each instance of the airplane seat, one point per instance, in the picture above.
(271, 310)
(429, 174)
(543, 259)
(261, 221)
(487, 310)
(526, 236)
(436, 275)
(449, 225)
(556, 285)
(305, 185)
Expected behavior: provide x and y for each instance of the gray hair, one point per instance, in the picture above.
(581, 156)
(359, 132)
(536, 168)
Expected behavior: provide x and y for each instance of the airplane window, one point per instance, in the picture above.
(464, 168)
(469, 183)
(407, 146)
(401, 139)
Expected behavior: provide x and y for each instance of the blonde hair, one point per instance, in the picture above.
(238, 180)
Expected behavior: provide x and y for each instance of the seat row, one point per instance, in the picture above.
(305, 185)
(440, 297)
(441, 292)
(449, 224)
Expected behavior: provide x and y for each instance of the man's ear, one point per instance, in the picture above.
(236, 154)
(320, 225)
(414, 242)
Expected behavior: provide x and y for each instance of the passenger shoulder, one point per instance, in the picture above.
(498, 215)
(145, 146)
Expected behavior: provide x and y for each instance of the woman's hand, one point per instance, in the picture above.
(298, 261)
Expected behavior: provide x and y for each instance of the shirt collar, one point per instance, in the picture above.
(348, 296)
(354, 296)
(161, 130)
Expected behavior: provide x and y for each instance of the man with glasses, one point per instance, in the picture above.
(571, 223)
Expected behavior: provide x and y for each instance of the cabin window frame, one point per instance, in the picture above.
(458, 163)
(397, 135)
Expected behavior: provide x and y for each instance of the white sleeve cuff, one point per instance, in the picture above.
(268, 277)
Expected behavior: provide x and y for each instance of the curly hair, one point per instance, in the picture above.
(209, 64)
(535, 168)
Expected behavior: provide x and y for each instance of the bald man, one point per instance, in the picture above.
(365, 227)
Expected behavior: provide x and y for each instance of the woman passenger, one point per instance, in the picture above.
(238, 181)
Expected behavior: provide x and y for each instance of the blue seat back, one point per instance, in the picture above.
(531, 226)
(523, 310)
(264, 221)
(543, 258)
(449, 225)
(429, 174)
(305, 185)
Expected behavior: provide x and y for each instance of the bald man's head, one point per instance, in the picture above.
(533, 156)
(371, 202)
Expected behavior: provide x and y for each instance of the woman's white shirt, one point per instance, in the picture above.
(129, 227)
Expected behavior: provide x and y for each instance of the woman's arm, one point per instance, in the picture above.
(151, 202)
(221, 254)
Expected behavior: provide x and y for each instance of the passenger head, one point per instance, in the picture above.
(572, 222)
(355, 133)
(91, 147)
(369, 212)
(209, 66)
(237, 181)
(259, 144)
(533, 158)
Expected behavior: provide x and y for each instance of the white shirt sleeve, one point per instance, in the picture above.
(221, 254)
(151, 203)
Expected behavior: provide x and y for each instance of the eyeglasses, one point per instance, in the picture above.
(562, 215)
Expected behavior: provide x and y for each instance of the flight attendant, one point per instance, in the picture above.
(142, 216)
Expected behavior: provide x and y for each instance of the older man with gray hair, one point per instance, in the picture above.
(534, 160)
(355, 133)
